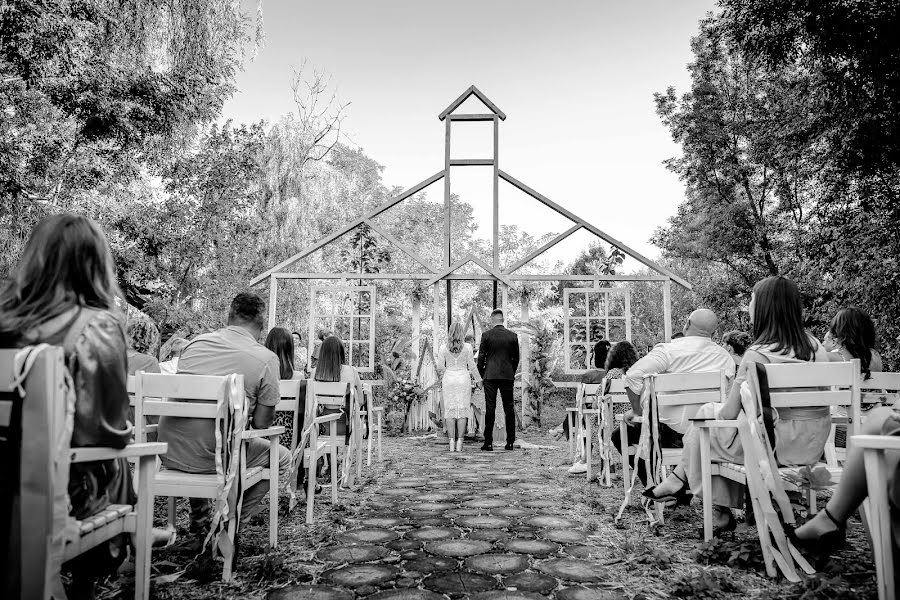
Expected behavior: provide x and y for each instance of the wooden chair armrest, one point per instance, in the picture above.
(377, 409)
(151, 428)
(571, 409)
(327, 418)
(876, 442)
(129, 451)
(715, 423)
(262, 433)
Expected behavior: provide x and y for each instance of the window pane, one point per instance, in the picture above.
(361, 328)
(361, 355)
(598, 330)
(616, 330)
(343, 303)
(616, 305)
(598, 304)
(323, 325)
(342, 328)
(578, 330)
(365, 303)
(577, 304)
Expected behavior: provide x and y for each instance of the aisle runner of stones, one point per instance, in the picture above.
(461, 525)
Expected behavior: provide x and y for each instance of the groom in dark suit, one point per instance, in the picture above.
(498, 359)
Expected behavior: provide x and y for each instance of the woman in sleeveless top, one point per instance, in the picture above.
(456, 368)
(62, 292)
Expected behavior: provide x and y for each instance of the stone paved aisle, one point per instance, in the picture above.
(461, 525)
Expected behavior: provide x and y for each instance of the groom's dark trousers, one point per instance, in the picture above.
(505, 386)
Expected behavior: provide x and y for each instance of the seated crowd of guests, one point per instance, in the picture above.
(63, 292)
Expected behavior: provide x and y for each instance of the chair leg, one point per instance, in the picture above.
(378, 416)
(334, 474)
(623, 441)
(232, 529)
(273, 491)
(812, 502)
(369, 445)
(311, 486)
(879, 522)
(588, 450)
(571, 435)
(706, 479)
(171, 511)
(143, 540)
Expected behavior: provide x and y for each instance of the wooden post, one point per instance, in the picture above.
(416, 329)
(273, 298)
(495, 293)
(496, 231)
(436, 318)
(526, 357)
(447, 195)
(667, 309)
(505, 304)
(449, 303)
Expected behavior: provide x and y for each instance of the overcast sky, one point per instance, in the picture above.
(575, 78)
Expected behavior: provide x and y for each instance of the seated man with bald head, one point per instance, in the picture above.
(695, 352)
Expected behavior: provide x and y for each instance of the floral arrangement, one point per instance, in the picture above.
(403, 393)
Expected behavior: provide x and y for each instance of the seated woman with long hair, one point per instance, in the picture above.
(776, 314)
(62, 292)
(332, 366)
(853, 335)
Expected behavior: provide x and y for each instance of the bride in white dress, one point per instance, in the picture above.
(456, 367)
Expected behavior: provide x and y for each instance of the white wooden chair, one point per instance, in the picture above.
(326, 395)
(36, 421)
(672, 394)
(791, 386)
(879, 512)
(376, 424)
(585, 394)
(881, 389)
(615, 396)
(215, 398)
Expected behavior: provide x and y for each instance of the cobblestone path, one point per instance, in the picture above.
(461, 525)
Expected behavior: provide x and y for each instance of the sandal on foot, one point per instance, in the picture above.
(827, 543)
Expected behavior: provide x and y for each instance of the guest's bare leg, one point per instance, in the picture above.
(852, 489)
(673, 483)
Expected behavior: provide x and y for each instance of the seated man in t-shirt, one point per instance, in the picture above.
(192, 442)
(694, 352)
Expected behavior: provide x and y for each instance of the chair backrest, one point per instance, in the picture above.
(810, 384)
(368, 393)
(586, 392)
(194, 396)
(29, 434)
(881, 388)
(332, 394)
(685, 389)
(289, 390)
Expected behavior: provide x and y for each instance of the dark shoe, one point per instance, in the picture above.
(509, 447)
(679, 498)
(487, 448)
(824, 545)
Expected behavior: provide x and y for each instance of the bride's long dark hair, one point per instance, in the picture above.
(66, 262)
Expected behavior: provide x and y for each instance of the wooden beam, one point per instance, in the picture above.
(447, 196)
(472, 117)
(492, 271)
(537, 252)
(273, 300)
(471, 162)
(468, 276)
(415, 256)
(602, 235)
(495, 177)
(448, 270)
(352, 225)
(464, 96)
(667, 310)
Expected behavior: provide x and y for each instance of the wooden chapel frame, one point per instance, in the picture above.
(448, 271)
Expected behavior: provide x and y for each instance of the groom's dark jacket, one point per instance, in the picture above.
(498, 354)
